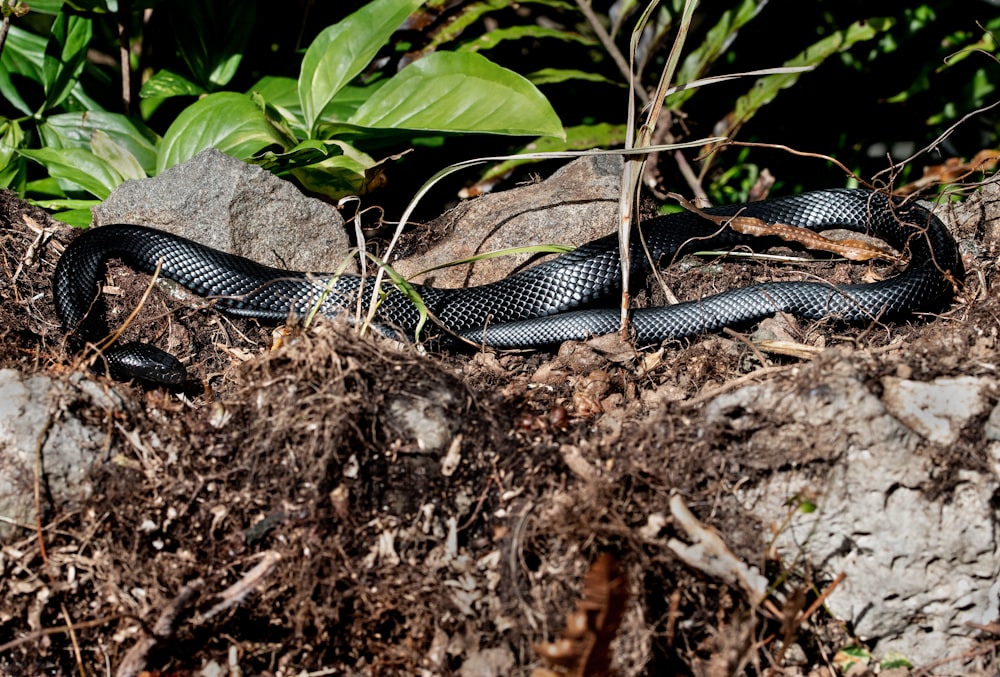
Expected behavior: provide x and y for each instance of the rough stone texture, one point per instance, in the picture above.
(227, 204)
(918, 568)
(573, 206)
(938, 410)
(32, 411)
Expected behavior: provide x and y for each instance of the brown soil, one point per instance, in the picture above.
(317, 472)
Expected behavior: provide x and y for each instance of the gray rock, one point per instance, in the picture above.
(992, 427)
(938, 410)
(918, 569)
(577, 204)
(227, 204)
(33, 412)
(494, 662)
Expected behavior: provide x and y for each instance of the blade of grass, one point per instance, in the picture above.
(634, 165)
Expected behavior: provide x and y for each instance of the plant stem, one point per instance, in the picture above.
(125, 55)
(610, 46)
(5, 26)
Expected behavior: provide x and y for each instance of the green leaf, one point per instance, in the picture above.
(307, 153)
(459, 92)
(348, 100)
(116, 155)
(337, 176)
(23, 54)
(75, 130)
(895, 660)
(11, 163)
(280, 95)
(493, 38)
(224, 120)
(765, 89)
(65, 56)
(211, 38)
(278, 91)
(343, 50)
(78, 218)
(716, 42)
(65, 204)
(165, 84)
(47, 6)
(79, 167)
(45, 186)
(548, 76)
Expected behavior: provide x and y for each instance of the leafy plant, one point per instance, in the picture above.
(230, 73)
(310, 127)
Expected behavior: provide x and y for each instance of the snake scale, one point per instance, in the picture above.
(569, 297)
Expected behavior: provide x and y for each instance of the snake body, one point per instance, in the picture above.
(569, 297)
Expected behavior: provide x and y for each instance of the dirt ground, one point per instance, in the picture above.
(322, 503)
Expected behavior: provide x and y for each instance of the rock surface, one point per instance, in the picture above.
(229, 205)
(34, 422)
(573, 206)
(918, 566)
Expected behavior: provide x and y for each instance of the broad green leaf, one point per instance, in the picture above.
(211, 37)
(493, 38)
(78, 218)
(116, 155)
(79, 167)
(224, 120)
(65, 203)
(343, 50)
(23, 54)
(459, 92)
(348, 100)
(765, 89)
(280, 95)
(165, 84)
(11, 163)
(45, 186)
(278, 91)
(74, 130)
(65, 56)
(305, 154)
(337, 176)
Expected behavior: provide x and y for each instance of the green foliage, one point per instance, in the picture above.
(311, 127)
(333, 112)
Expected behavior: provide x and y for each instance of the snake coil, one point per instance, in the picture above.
(555, 301)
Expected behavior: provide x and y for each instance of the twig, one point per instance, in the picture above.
(934, 144)
(789, 149)
(735, 383)
(73, 640)
(610, 46)
(821, 600)
(749, 344)
(238, 591)
(124, 53)
(135, 660)
(58, 629)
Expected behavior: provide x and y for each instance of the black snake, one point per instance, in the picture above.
(570, 297)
